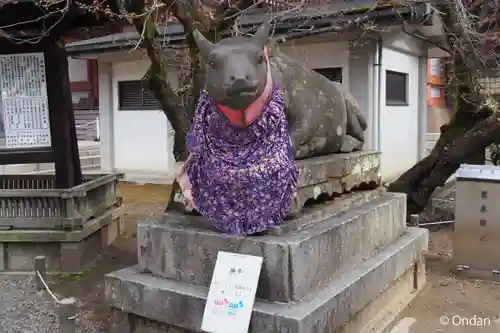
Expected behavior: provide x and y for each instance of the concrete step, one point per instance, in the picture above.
(90, 152)
(89, 163)
(89, 169)
(345, 299)
(90, 159)
(85, 162)
(145, 178)
(295, 264)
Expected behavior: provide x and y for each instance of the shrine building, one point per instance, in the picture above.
(386, 73)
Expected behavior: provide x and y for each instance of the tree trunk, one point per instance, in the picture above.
(471, 128)
(170, 103)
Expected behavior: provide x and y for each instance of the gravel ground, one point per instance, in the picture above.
(24, 310)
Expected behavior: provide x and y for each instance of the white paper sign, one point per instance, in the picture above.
(25, 111)
(232, 293)
(435, 66)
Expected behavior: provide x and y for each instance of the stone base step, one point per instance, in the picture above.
(377, 317)
(381, 313)
(66, 251)
(295, 263)
(328, 310)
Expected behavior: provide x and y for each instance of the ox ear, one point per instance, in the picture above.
(204, 45)
(262, 35)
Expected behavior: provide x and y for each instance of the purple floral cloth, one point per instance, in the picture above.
(243, 178)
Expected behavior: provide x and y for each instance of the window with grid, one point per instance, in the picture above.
(332, 74)
(396, 88)
(136, 95)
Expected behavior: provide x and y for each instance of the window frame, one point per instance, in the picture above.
(143, 106)
(323, 69)
(396, 102)
(91, 87)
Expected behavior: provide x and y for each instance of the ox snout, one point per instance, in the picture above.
(240, 87)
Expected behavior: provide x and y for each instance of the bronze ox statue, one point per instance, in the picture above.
(323, 117)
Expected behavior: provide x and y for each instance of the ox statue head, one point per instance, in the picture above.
(235, 67)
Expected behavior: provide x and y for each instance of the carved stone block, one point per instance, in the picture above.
(329, 175)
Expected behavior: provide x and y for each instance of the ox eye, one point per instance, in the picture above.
(261, 59)
(212, 64)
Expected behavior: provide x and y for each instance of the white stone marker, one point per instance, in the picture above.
(232, 293)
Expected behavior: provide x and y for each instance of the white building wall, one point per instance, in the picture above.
(106, 122)
(134, 142)
(403, 128)
(399, 124)
(361, 86)
(141, 137)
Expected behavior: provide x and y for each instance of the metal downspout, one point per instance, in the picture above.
(377, 96)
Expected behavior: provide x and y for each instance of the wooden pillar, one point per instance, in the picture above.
(62, 119)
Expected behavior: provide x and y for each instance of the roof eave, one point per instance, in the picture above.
(175, 32)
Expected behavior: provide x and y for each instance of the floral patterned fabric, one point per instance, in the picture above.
(242, 179)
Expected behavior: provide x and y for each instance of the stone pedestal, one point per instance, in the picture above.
(347, 264)
(326, 176)
(66, 252)
(476, 227)
(68, 226)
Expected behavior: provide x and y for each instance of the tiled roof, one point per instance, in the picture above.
(311, 16)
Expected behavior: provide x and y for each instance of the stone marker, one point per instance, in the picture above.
(67, 315)
(40, 272)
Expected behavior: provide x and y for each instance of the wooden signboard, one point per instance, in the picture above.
(24, 101)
